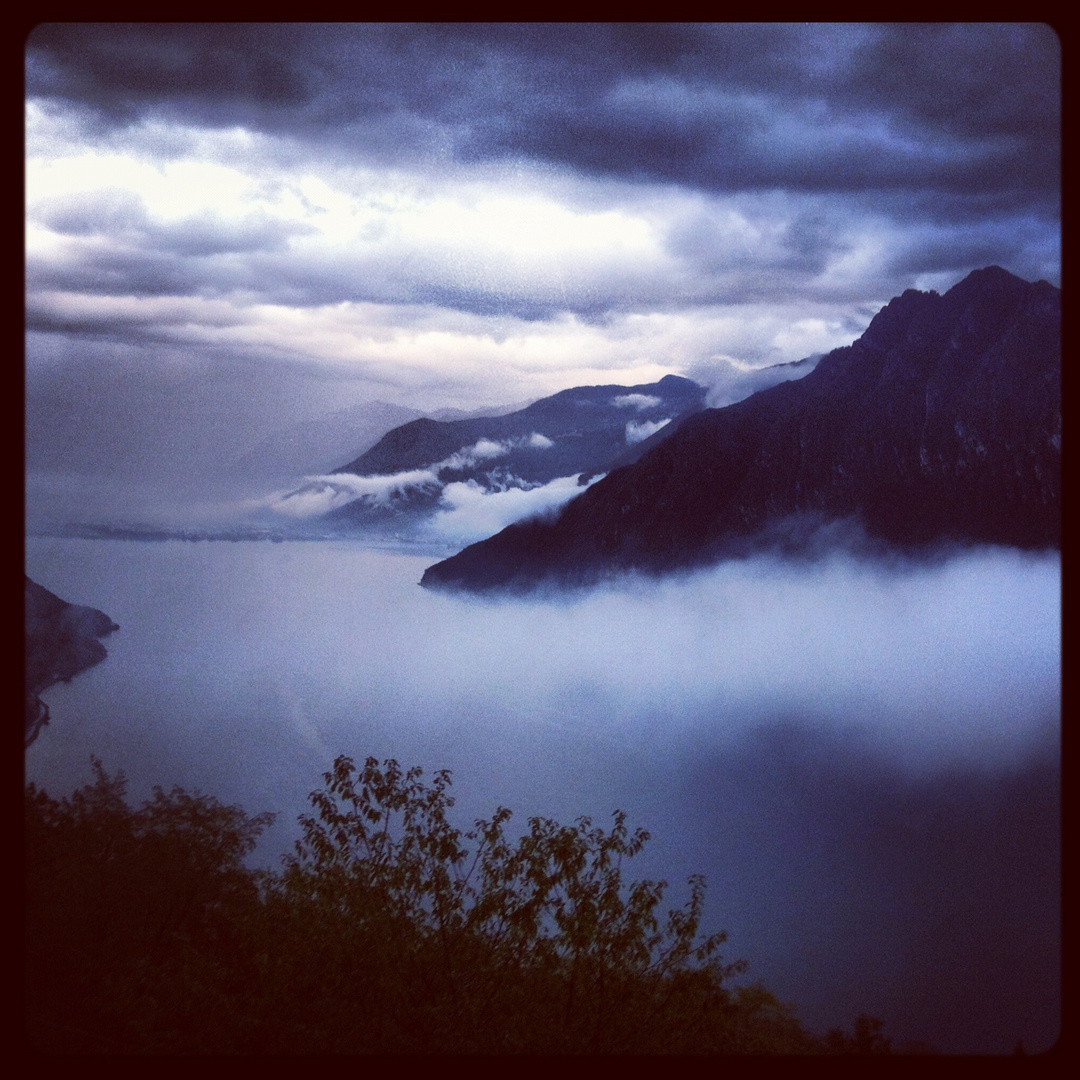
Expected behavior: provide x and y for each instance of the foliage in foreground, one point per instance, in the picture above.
(388, 930)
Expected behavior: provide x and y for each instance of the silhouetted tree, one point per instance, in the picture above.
(132, 915)
(389, 929)
(867, 1038)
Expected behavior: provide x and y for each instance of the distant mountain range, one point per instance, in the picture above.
(538, 455)
(940, 424)
(319, 445)
(578, 430)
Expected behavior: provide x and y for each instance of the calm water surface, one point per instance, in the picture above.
(862, 761)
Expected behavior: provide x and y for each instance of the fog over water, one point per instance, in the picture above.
(863, 759)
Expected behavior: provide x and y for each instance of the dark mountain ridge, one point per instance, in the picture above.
(941, 423)
(577, 431)
(582, 419)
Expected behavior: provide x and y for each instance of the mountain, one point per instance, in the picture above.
(61, 641)
(941, 423)
(544, 450)
(450, 413)
(587, 426)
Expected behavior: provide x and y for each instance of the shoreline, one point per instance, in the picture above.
(61, 641)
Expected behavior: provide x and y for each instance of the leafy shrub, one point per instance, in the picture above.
(389, 929)
(132, 915)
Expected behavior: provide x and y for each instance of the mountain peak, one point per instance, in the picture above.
(941, 424)
(990, 283)
(991, 275)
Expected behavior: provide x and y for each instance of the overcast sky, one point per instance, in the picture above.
(229, 226)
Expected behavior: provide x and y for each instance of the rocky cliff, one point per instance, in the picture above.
(61, 641)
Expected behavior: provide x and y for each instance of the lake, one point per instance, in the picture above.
(862, 759)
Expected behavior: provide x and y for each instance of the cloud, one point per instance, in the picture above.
(819, 108)
(916, 645)
(231, 227)
(470, 512)
(321, 494)
(635, 401)
(730, 380)
(469, 215)
(481, 450)
(488, 449)
(637, 431)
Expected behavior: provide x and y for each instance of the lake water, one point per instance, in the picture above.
(862, 760)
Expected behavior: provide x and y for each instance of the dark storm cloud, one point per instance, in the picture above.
(121, 70)
(722, 108)
(964, 78)
(658, 197)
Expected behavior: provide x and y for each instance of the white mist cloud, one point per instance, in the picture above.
(321, 494)
(481, 450)
(474, 513)
(730, 380)
(488, 449)
(635, 401)
(636, 432)
(951, 662)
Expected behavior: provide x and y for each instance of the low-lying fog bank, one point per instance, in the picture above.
(862, 759)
